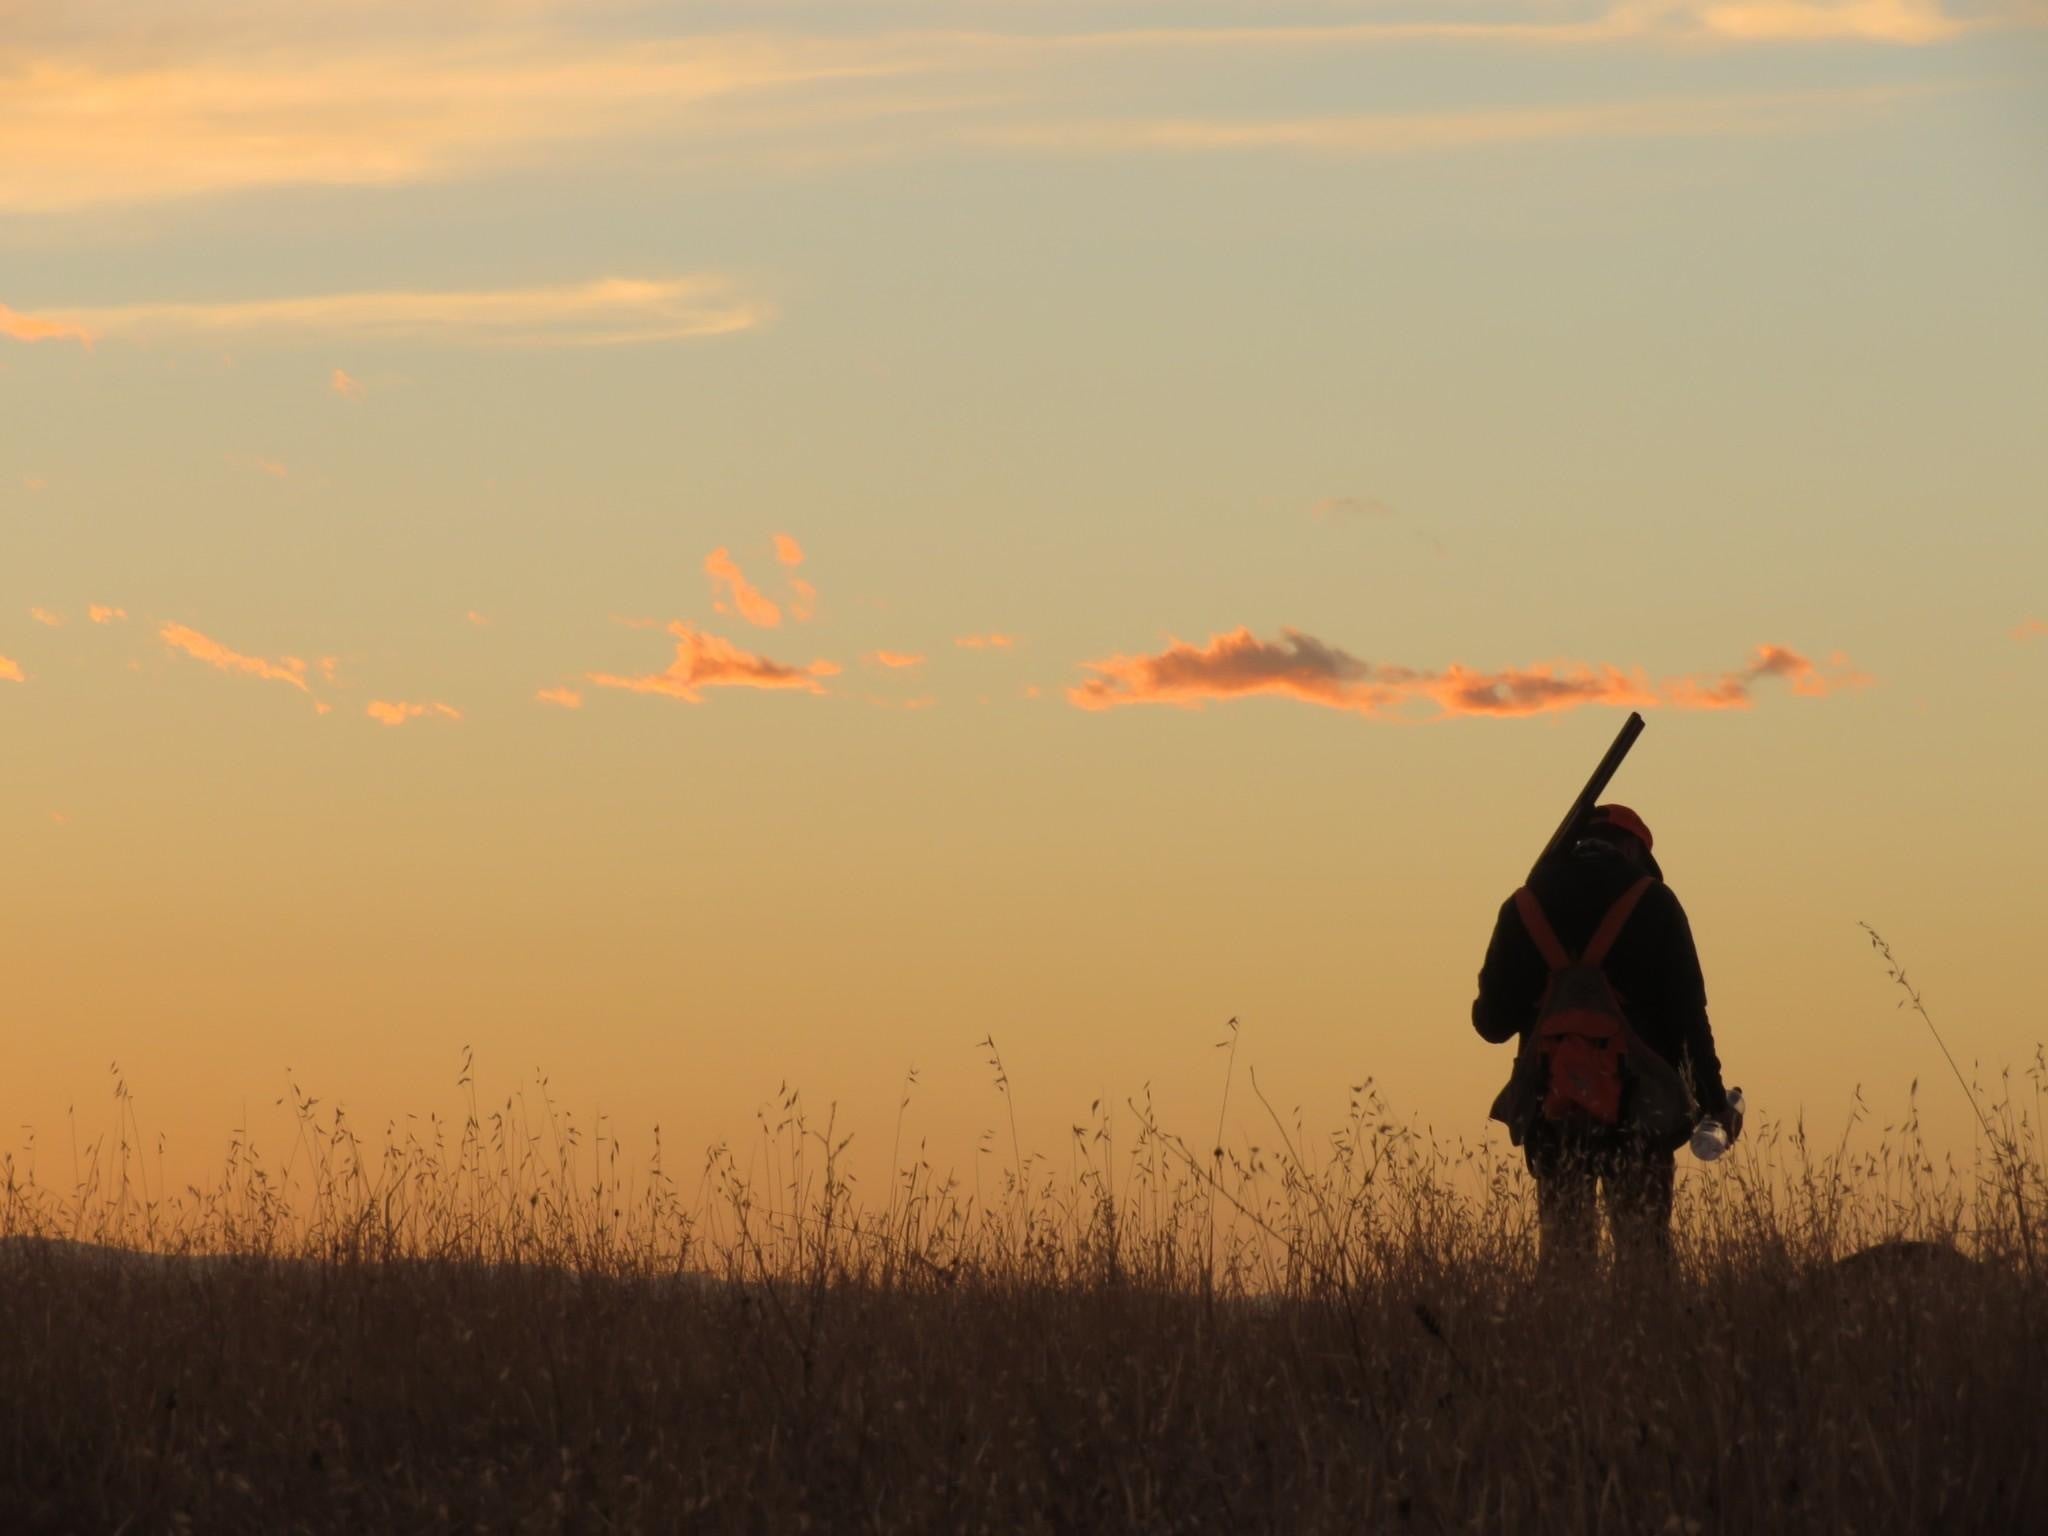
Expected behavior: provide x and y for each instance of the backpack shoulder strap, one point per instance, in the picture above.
(1531, 911)
(1616, 919)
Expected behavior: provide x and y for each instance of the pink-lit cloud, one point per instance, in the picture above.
(345, 384)
(10, 671)
(15, 326)
(730, 591)
(988, 642)
(707, 661)
(895, 660)
(104, 613)
(1299, 666)
(561, 698)
(394, 712)
(477, 619)
(289, 670)
(787, 550)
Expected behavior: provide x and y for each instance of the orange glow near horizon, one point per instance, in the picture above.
(687, 552)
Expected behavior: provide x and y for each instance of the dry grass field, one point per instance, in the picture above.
(495, 1327)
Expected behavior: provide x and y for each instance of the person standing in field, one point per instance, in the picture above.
(1592, 968)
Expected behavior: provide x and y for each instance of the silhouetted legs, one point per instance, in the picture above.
(1635, 1181)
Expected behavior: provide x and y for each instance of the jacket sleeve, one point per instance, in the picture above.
(1510, 981)
(1686, 1000)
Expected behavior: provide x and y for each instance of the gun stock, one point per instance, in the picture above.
(1574, 821)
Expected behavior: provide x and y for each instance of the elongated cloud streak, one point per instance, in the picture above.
(2030, 629)
(728, 582)
(10, 671)
(104, 613)
(93, 118)
(16, 326)
(346, 384)
(561, 698)
(289, 670)
(1299, 666)
(46, 618)
(393, 712)
(1401, 133)
(612, 311)
(989, 642)
(895, 660)
(707, 661)
(191, 115)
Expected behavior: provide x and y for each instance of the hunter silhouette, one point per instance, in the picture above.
(1592, 968)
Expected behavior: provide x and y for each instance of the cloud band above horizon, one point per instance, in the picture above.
(1238, 664)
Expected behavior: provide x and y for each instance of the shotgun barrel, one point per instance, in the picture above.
(1574, 822)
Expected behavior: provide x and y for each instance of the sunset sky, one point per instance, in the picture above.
(693, 546)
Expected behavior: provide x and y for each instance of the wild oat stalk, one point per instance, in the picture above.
(2004, 1147)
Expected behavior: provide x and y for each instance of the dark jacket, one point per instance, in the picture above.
(1653, 965)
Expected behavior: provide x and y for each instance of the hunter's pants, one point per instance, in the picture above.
(1634, 1180)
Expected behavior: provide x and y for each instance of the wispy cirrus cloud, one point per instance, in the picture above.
(10, 671)
(561, 698)
(731, 591)
(1299, 666)
(105, 613)
(708, 661)
(289, 670)
(612, 311)
(46, 617)
(896, 661)
(986, 642)
(2030, 629)
(89, 118)
(371, 96)
(396, 712)
(1403, 133)
(346, 384)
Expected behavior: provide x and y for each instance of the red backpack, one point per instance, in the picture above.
(1581, 1032)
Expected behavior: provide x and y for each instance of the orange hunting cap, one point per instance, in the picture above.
(1623, 819)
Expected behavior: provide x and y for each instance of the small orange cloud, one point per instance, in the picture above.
(345, 384)
(398, 711)
(787, 550)
(2030, 629)
(477, 619)
(805, 601)
(330, 667)
(45, 616)
(272, 468)
(10, 671)
(34, 483)
(16, 326)
(707, 661)
(895, 660)
(60, 818)
(989, 642)
(562, 698)
(101, 613)
(290, 669)
(727, 581)
(1299, 666)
